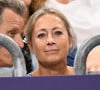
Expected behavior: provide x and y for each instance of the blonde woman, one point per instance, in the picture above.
(50, 37)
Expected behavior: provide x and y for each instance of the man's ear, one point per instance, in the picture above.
(70, 41)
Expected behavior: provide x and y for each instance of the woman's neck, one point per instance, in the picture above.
(53, 69)
(56, 71)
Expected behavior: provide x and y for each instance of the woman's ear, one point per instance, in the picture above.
(70, 41)
(30, 47)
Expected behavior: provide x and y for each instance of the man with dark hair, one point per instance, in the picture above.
(12, 21)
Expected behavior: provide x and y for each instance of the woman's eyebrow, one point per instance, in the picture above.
(56, 28)
(41, 29)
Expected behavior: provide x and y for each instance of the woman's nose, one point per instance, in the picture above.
(50, 40)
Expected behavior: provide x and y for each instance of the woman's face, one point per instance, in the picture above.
(50, 40)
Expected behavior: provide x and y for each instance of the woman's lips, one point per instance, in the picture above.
(52, 51)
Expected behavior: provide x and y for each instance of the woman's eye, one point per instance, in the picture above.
(58, 33)
(41, 35)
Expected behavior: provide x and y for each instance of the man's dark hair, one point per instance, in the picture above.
(17, 6)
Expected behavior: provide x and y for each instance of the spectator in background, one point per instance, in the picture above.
(27, 3)
(36, 4)
(50, 37)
